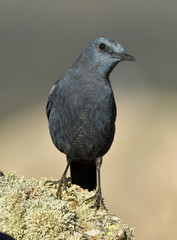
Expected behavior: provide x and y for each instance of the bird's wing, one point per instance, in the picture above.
(49, 104)
(48, 107)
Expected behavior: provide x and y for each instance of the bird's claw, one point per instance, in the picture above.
(99, 202)
(63, 184)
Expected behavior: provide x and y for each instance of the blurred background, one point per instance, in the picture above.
(39, 41)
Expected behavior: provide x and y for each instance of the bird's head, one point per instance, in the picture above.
(102, 55)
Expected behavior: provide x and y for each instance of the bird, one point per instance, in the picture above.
(81, 112)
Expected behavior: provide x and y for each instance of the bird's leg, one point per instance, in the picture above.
(98, 195)
(63, 182)
(99, 200)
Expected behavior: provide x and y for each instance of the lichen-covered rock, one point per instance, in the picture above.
(30, 210)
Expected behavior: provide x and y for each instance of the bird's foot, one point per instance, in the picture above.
(63, 184)
(99, 202)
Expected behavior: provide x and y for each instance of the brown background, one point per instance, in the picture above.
(39, 41)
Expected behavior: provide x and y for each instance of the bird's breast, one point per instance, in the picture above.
(83, 122)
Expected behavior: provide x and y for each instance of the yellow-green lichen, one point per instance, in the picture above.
(29, 210)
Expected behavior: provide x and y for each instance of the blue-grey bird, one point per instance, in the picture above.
(81, 111)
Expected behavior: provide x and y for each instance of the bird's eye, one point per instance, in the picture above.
(102, 46)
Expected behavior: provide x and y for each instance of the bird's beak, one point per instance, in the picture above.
(128, 57)
(125, 56)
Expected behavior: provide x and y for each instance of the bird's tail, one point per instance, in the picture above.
(83, 173)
